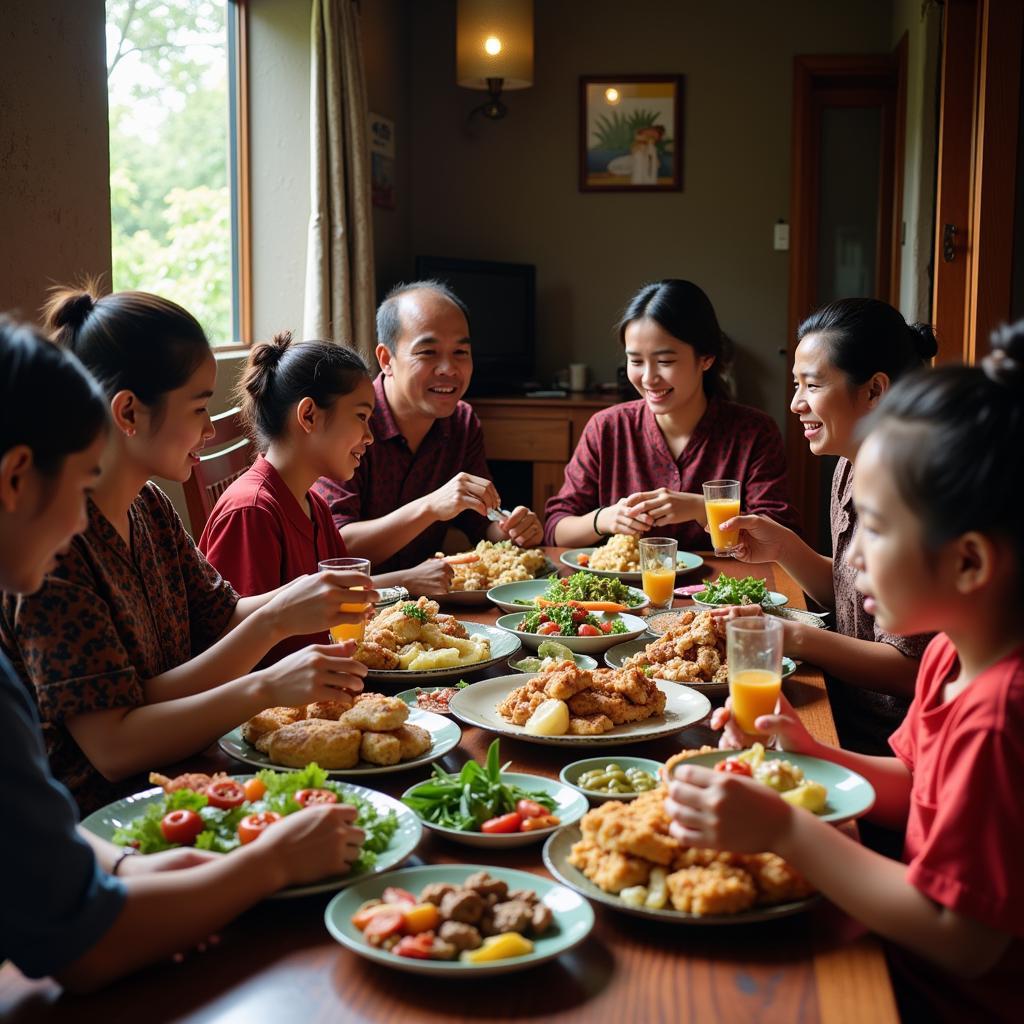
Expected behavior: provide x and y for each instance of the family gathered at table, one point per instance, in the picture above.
(130, 646)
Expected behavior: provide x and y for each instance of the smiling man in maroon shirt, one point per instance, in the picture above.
(426, 470)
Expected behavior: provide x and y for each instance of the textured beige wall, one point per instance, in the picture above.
(508, 190)
(54, 166)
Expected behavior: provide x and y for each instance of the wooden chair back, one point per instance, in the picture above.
(231, 455)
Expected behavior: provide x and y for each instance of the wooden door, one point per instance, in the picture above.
(869, 91)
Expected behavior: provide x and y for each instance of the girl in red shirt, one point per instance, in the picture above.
(940, 546)
(307, 405)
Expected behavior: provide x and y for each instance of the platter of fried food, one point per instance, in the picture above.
(369, 735)
(568, 706)
(622, 855)
(620, 557)
(691, 652)
(414, 641)
(489, 564)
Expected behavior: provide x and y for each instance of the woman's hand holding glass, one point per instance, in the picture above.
(310, 604)
(791, 734)
(760, 539)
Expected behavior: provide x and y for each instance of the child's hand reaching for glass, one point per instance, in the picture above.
(791, 733)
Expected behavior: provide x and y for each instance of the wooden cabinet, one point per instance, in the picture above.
(535, 434)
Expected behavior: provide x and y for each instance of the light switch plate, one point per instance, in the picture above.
(781, 236)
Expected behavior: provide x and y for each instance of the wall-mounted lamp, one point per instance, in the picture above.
(494, 49)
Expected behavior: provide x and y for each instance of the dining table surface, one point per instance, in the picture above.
(277, 962)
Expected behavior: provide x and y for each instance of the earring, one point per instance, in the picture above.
(130, 432)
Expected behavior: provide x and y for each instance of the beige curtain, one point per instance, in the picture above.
(339, 302)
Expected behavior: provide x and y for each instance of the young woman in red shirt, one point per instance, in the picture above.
(939, 547)
(307, 405)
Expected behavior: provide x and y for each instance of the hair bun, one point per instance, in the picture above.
(924, 340)
(1005, 363)
(69, 307)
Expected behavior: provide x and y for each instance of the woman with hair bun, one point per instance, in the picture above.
(75, 907)
(849, 354)
(138, 651)
(307, 405)
(939, 549)
(640, 466)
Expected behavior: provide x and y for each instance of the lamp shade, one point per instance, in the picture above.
(494, 39)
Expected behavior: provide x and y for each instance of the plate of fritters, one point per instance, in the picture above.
(489, 564)
(625, 848)
(691, 652)
(370, 735)
(607, 707)
(413, 641)
(620, 557)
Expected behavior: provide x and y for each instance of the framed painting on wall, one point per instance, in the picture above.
(631, 133)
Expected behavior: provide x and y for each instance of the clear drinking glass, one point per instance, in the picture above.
(348, 631)
(754, 655)
(722, 502)
(658, 567)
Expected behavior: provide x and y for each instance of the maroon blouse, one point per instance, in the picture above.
(623, 451)
(390, 476)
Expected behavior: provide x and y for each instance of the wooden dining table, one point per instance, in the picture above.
(277, 963)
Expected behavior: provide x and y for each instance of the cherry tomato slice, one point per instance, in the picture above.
(394, 894)
(255, 790)
(312, 797)
(606, 627)
(579, 614)
(181, 826)
(503, 823)
(225, 794)
(588, 630)
(583, 559)
(383, 925)
(734, 767)
(254, 825)
(530, 809)
(548, 628)
(416, 947)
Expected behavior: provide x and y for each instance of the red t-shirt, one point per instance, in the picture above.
(259, 538)
(965, 831)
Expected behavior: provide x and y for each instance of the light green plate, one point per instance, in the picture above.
(573, 918)
(107, 820)
(478, 597)
(570, 806)
(686, 561)
(444, 733)
(478, 705)
(503, 645)
(571, 773)
(556, 860)
(583, 661)
(506, 596)
(773, 600)
(577, 644)
(616, 657)
(849, 795)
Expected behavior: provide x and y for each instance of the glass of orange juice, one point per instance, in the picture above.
(348, 631)
(722, 502)
(658, 567)
(754, 655)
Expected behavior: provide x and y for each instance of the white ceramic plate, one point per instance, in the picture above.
(478, 705)
(570, 806)
(577, 644)
(106, 820)
(444, 733)
(503, 645)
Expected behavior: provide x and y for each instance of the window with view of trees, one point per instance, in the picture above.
(170, 65)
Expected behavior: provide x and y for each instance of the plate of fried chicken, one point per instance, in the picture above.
(606, 707)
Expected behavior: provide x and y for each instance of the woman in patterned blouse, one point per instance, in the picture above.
(639, 466)
(848, 355)
(63, 912)
(139, 652)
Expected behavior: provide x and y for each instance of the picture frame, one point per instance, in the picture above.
(631, 133)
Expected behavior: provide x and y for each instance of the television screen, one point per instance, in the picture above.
(500, 298)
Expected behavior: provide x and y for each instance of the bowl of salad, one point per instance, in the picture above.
(582, 631)
(488, 806)
(550, 653)
(731, 590)
(586, 588)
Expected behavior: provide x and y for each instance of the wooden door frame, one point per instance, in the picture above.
(857, 80)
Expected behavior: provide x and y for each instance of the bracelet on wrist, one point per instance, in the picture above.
(128, 851)
(597, 529)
